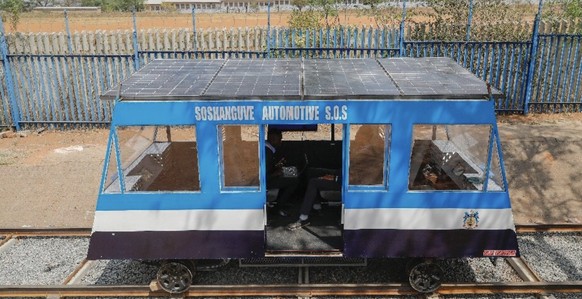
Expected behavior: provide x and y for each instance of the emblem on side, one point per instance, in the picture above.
(471, 220)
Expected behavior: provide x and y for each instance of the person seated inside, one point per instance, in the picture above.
(275, 179)
(326, 182)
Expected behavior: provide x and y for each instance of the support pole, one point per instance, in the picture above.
(402, 49)
(195, 37)
(469, 21)
(14, 109)
(269, 29)
(532, 59)
(136, 62)
(69, 39)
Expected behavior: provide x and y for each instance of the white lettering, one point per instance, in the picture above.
(226, 113)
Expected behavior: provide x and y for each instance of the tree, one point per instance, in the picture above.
(91, 2)
(556, 11)
(300, 4)
(372, 3)
(573, 9)
(122, 5)
(308, 19)
(44, 3)
(12, 10)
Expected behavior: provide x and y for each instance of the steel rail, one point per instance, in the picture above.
(46, 232)
(294, 290)
(549, 228)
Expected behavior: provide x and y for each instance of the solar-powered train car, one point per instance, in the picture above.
(413, 142)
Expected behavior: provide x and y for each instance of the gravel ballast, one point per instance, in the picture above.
(554, 257)
(41, 261)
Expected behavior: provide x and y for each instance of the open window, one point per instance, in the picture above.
(239, 147)
(155, 158)
(453, 157)
(369, 155)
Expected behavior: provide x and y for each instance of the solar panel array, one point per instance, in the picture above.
(168, 79)
(294, 79)
(422, 77)
(257, 78)
(342, 78)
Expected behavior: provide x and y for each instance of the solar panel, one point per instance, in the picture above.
(295, 79)
(168, 79)
(257, 78)
(436, 77)
(346, 78)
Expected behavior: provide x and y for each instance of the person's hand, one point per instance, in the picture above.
(280, 163)
(329, 177)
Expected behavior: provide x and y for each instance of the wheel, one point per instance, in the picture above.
(425, 277)
(174, 277)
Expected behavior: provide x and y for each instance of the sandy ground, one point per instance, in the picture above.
(53, 22)
(51, 179)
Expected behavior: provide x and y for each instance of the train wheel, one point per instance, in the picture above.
(175, 277)
(425, 277)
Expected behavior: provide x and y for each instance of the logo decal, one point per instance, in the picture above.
(471, 220)
(499, 252)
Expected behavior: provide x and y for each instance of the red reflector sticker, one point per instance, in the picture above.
(499, 252)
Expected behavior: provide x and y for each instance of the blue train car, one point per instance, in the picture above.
(411, 146)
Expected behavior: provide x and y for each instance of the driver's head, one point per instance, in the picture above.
(274, 137)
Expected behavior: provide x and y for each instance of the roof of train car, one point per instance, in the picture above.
(298, 79)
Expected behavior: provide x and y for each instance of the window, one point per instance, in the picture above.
(369, 145)
(158, 158)
(240, 155)
(323, 132)
(451, 157)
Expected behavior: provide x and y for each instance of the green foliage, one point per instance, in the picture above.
(493, 20)
(319, 13)
(372, 3)
(558, 11)
(384, 16)
(11, 11)
(308, 19)
(573, 9)
(91, 2)
(118, 5)
(300, 4)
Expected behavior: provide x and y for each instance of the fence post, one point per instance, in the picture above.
(69, 41)
(402, 49)
(15, 110)
(469, 21)
(195, 38)
(269, 29)
(135, 44)
(532, 59)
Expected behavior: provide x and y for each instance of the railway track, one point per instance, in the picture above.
(531, 284)
(292, 290)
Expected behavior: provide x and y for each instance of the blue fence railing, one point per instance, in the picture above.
(502, 64)
(543, 75)
(557, 74)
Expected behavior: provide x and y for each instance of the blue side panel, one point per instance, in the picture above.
(399, 113)
(426, 200)
(180, 201)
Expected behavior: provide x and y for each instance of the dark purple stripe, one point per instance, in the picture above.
(176, 245)
(429, 243)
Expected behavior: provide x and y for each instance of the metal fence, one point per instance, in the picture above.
(56, 80)
(557, 74)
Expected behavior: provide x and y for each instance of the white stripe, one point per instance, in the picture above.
(431, 219)
(178, 220)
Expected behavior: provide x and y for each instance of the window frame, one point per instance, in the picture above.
(487, 170)
(115, 146)
(385, 185)
(221, 171)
